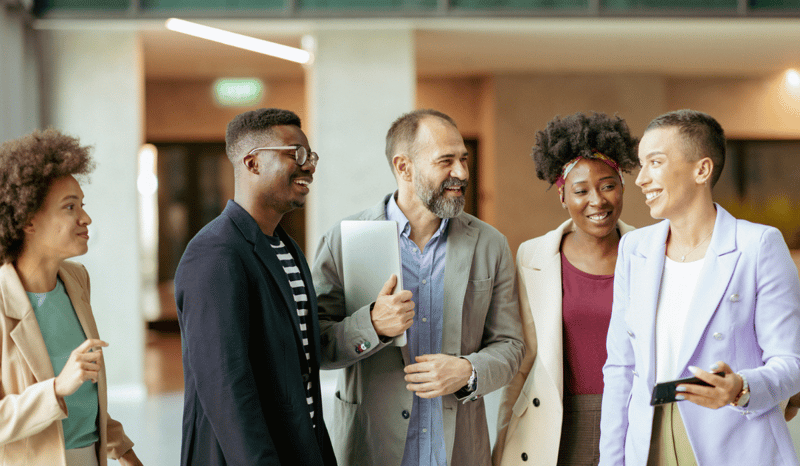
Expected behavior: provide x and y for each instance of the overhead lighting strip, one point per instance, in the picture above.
(238, 40)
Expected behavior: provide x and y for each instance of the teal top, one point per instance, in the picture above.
(62, 333)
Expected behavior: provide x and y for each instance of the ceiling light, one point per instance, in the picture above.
(238, 40)
(793, 78)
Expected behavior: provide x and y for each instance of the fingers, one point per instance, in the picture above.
(722, 391)
(388, 287)
(89, 344)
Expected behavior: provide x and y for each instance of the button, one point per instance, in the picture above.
(635, 373)
(358, 349)
(536, 402)
(718, 336)
(405, 414)
(424, 281)
(424, 319)
(473, 398)
(366, 345)
(524, 457)
(734, 298)
(630, 334)
(424, 430)
(306, 377)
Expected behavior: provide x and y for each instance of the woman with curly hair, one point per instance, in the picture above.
(52, 376)
(566, 282)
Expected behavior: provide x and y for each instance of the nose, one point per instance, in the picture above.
(460, 171)
(641, 178)
(311, 163)
(84, 218)
(595, 198)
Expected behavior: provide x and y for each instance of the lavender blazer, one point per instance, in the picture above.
(746, 312)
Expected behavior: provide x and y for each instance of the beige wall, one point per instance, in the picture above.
(185, 111)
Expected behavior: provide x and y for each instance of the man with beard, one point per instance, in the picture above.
(421, 404)
(248, 313)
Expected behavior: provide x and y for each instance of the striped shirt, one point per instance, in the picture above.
(301, 299)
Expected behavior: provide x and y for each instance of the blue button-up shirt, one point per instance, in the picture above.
(423, 276)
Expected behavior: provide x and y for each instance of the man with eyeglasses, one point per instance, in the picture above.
(421, 404)
(248, 312)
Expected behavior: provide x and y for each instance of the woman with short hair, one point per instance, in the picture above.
(565, 284)
(52, 375)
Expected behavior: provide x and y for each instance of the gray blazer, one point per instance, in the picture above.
(481, 323)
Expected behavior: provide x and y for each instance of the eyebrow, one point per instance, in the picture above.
(652, 154)
(451, 156)
(609, 177)
(70, 197)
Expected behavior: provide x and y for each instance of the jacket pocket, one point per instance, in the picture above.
(344, 435)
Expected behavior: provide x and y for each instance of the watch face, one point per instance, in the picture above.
(743, 399)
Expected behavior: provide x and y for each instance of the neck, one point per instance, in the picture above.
(422, 221)
(694, 225)
(37, 274)
(266, 218)
(593, 246)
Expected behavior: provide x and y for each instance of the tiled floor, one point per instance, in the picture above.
(154, 424)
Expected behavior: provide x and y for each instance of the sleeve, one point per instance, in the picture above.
(30, 412)
(117, 442)
(502, 347)
(344, 339)
(617, 371)
(777, 326)
(212, 294)
(514, 388)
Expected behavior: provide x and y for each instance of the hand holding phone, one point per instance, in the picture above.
(664, 392)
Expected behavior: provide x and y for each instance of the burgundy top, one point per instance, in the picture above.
(586, 310)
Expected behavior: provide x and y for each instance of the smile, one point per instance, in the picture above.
(652, 195)
(600, 216)
(303, 182)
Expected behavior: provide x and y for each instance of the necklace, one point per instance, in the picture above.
(683, 257)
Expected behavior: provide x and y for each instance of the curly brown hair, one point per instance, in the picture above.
(581, 134)
(28, 167)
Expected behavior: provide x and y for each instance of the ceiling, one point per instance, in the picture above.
(475, 47)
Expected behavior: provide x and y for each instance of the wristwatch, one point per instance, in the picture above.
(470, 387)
(743, 397)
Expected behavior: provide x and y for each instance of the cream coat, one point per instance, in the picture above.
(529, 420)
(30, 414)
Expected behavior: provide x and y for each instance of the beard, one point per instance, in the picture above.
(434, 196)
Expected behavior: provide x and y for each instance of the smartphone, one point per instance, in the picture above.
(664, 392)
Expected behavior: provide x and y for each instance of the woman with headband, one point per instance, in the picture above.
(566, 284)
(52, 377)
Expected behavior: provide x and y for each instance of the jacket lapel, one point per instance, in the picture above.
(541, 280)
(26, 334)
(647, 268)
(461, 240)
(80, 302)
(714, 278)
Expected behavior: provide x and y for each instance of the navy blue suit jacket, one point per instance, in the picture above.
(244, 366)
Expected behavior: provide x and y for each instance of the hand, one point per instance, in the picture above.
(722, 392)
(129, 459)
(392, 314)
(791, 408)
(82, 365)
(437, 375)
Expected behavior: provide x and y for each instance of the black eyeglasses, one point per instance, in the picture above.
(301, 154)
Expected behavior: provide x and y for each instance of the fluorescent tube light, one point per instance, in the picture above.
(238, 40)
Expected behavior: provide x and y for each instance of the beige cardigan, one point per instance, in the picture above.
(529, 420)
(30, 414)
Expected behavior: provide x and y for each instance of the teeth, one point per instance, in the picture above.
(652, 194)
(302, 182)
(599, 216)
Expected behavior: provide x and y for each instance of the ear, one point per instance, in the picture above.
(28, 229)
(402, 167)
(250, 163)
(705, 167)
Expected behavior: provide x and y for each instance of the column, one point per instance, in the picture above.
(93, 88)
(19, 90)
(361, 80)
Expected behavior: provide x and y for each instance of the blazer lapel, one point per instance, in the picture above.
(461, 240)
(80, 302)
(26, 334)
(715, 276)
(647, 269)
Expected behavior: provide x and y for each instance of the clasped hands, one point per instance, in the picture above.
(431, 375)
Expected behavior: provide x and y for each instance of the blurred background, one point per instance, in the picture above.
(154, 103)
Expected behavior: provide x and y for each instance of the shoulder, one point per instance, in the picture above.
(487, 232)
(376, 212)
(635, 237)
(545, 245)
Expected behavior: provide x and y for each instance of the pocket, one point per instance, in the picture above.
(343, 435)
(477, 286)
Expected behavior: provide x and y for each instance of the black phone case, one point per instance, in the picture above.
(664, 392)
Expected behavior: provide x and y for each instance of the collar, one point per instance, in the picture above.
(393, 212)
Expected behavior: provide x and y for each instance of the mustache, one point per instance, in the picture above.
(453, 183)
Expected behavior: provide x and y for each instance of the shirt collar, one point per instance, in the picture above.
(393, 212)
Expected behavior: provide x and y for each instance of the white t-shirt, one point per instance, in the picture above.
(678, 284)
